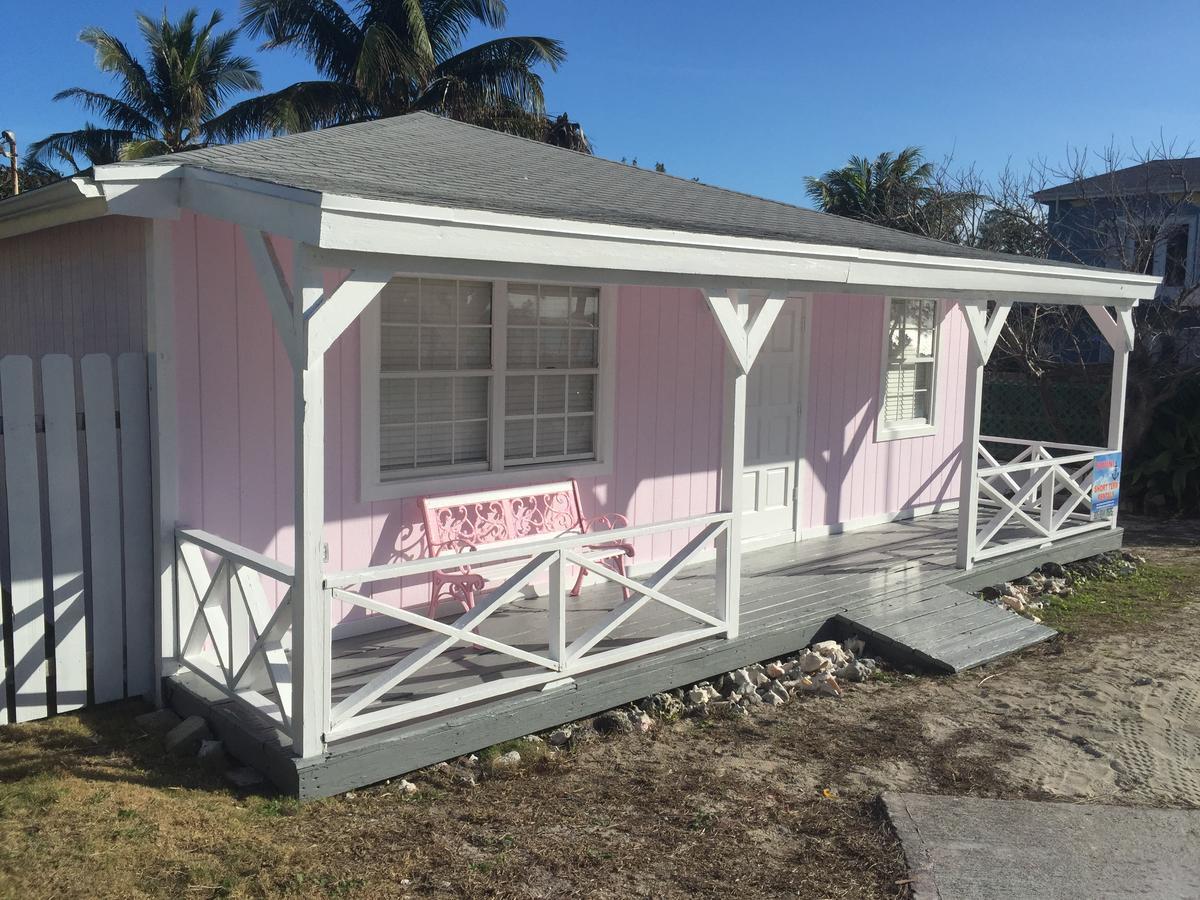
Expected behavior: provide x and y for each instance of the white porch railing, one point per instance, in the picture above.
(1040, 494)
(555, 558)
(229, 635)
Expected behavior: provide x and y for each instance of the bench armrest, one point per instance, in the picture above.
(607, 522)
(454, 545)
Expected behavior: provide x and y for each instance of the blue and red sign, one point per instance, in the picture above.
(1106, 484)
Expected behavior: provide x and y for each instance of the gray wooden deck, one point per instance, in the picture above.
(895, 584)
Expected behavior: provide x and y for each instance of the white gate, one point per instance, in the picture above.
(76, 563)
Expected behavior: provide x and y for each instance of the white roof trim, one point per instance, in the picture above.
(621, 253)
(66, 201)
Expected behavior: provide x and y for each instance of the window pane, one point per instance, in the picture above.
(896, 329)
(439, 301)
(398, 348)
(433, 444)
(555, 306)
(518, 398)
(470, 442)
(396, 401)
(579, 434)
(398, 301)
(925, 338)
(581, 393)
(522, 348)
(552, 348)
(474, 303)
(585, 306)
(583, 349)
(550, 434)
(522, 304)
(433, 399)
(920, 406)
(518, 439)
(437, 348)
(471, 398)
(396, 447)
(551, 394)
(475, 348)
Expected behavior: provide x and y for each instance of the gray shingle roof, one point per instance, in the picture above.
(1159, 176)
(423, 158)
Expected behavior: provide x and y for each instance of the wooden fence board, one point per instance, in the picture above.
(23, 487)
(136, 522)
(104, 521)
(66, 533)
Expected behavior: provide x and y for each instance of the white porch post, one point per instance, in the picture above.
(311, 628)
(744, 336)
(984, 334)
(160, 339)
(1118, 331)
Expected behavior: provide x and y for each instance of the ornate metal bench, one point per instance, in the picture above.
(510, 518)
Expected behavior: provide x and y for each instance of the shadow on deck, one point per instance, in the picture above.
(894, 584)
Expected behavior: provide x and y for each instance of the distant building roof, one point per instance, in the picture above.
(1159, 176)
(428, 159)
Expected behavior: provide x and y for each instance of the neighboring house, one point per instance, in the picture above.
(1141, 218)
(778, 411)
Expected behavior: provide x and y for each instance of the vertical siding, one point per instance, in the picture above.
(74, 289)
(849, 475)
(235, 418)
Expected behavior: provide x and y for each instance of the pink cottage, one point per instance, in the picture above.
(628, 431)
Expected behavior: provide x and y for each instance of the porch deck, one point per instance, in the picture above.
(896, 584)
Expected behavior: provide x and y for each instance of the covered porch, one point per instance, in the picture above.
(896, 584)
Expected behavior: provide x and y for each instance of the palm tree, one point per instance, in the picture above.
(887, 191)
(390, 57)
(173, 102)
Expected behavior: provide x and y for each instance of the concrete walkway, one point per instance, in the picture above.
(963, 848)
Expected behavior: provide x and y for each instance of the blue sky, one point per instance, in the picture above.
(757, 101)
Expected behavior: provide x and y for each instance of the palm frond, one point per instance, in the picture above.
(117, 112)
(320, 29)
(450, 21)
(80, 149)
(497, 72)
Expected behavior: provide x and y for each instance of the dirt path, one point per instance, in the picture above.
(782, 803)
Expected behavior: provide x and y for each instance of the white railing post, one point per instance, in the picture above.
(729, 542)
(968, 492)
(556, 609)
(311, 625)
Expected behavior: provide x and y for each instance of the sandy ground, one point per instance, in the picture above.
(780, 804)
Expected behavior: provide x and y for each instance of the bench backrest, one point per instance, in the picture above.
(509, 517)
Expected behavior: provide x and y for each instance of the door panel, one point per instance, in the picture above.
(773, 393)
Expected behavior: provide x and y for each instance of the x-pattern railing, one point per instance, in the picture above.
(229, 635)
(1039, 494)
(552, 559)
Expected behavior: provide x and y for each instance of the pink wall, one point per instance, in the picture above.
(74, 289)
(235, 417)
(849, 475)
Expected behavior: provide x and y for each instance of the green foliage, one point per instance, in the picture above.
(380, 58)
(896, 190)
(1165, 477)
(1017, 406)
(170, 101)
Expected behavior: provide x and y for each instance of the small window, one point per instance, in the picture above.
(910, 355)
(463, 376)
(1175, 253)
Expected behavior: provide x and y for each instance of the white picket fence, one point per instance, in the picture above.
(76, 563)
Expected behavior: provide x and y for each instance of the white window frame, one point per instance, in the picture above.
(892, 431)
(480, 476)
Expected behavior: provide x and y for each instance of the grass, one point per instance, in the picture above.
(1127, 603)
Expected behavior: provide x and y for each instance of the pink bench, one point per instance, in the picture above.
(510, 518)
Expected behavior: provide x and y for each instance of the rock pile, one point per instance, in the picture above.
(1028, 595)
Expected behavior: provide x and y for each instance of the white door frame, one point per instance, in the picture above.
(804, 311)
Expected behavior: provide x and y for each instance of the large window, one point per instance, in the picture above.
(475, 376)
(909, 370)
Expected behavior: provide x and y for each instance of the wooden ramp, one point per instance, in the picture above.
(944, 628)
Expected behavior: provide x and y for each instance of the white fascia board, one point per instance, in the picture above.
(160, 191)
(66, 201)
(638, 255)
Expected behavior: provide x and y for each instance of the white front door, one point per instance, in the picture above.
(773, 393)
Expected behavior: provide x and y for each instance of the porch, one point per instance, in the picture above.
(896, 584)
